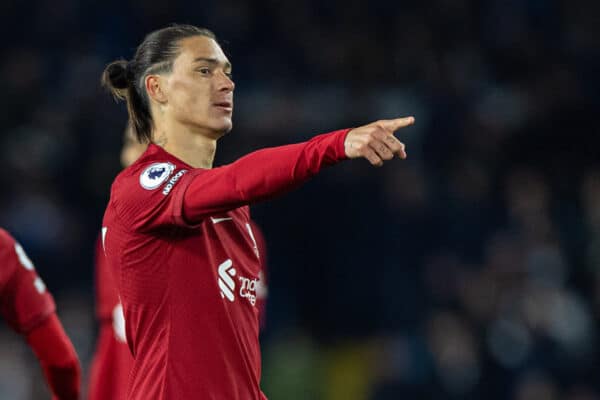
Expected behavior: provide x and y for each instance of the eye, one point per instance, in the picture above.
(229, 74)
(204, 70)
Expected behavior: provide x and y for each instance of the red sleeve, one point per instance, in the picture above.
(24, 300)
(258, 176)
(57, 357)
(160, 190)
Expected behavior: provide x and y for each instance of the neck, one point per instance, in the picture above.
(194, 147)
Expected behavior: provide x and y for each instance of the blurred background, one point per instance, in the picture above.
(469, 271)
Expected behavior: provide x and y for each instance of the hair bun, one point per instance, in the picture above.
(117, 74)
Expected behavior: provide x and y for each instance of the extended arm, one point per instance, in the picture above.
(270, 172)
(260, 175)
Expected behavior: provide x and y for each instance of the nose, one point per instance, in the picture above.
(225, 83)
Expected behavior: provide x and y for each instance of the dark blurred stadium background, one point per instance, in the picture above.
(469, 271)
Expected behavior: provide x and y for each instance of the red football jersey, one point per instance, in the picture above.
(112, 362)
(180, 243)
(24, 300)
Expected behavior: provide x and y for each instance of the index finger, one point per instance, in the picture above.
(397, 123)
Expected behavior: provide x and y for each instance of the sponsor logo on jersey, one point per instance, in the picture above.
(250, 288)
(169, 186)
(226, 282)
(155, 175)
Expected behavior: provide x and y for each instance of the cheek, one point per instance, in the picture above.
(189, 95)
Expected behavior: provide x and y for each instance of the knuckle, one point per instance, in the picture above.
(380, 126)
(385, 150)
(382, 135)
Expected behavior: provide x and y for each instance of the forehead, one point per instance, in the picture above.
(196, 47)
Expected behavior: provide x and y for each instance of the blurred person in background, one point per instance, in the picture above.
(176, 231)
(112, 362)
(29, 309)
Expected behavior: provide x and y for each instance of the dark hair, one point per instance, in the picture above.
(125, 79)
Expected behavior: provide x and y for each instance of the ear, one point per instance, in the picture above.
(155, 88)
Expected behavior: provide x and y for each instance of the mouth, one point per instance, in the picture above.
(224, 105)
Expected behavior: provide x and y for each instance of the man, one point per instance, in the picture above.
(177, 232)
(29, 309)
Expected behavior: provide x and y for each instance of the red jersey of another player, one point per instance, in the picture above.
(180, 242)
(24, 300)
(112, 361)
(27, 306)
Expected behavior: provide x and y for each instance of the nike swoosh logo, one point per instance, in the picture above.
(217, 220)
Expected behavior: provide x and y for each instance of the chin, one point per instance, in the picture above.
(224, 127)
(227, 128)
(216, 129)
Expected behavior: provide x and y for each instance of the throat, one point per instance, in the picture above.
(195, 150)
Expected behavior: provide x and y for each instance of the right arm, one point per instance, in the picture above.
(271, 172)
(260, 175)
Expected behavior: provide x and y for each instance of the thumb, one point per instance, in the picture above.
(393, 125)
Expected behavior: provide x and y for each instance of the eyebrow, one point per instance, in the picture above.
(227, 64)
